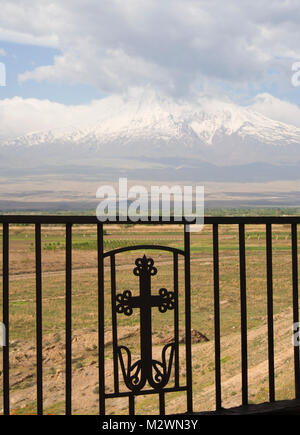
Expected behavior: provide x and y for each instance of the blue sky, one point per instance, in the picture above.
(72, 53)
(20, 58)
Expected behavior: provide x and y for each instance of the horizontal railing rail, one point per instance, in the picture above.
(93, 220)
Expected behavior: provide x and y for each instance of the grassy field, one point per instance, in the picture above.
(85, 383)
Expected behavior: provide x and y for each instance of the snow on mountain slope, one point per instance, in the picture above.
(148, 125)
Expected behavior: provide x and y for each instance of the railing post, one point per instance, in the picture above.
(5, 277)
(243, 298)
(39, 338)
(68, 319)
(295, 307)
(188, 341)
(131, 404)
(270, 312)
(162, 406)
(176, 319)
(114, 322)
(217, 317)
(101, 321)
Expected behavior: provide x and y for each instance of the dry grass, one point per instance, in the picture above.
(85, 382)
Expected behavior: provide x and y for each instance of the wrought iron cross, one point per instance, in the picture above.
(136, 375)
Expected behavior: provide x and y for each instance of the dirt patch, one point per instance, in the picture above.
(196, 337)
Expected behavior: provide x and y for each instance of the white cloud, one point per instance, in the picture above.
(2, 52)
(174, 45)
(27, 39)
(277, 109)
(20, 116)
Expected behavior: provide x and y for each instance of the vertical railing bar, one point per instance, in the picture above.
(217, 317)
(101, 341)
(295, 307)
(176, 319)
(243, 299)
(188, 342)
(39, 339)
(131, 404)
(114, 322)
(270, 312)
(5, 277)
(162, 405)
(68, 319)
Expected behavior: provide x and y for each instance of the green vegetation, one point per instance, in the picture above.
(216, 211)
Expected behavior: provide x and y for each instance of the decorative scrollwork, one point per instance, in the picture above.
(162, 370)
(123, 306)
(132, 373)
(168, 300)
(135, 376)
(144, 265)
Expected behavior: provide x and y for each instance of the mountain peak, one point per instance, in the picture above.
(145, 122)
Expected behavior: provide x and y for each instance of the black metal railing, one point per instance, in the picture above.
(149, 371)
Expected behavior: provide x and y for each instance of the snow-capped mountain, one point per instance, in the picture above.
(150, 126)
